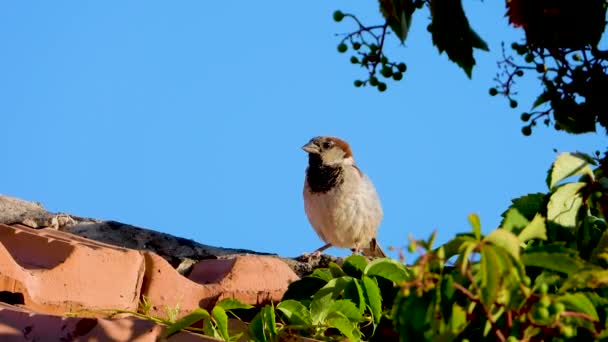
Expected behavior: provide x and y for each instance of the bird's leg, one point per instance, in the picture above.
(316, 254)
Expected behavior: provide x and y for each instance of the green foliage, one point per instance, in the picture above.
(542, 275)
(452, 34)
(340, 301)
(561, 49)
(527, 280)
(214, 324)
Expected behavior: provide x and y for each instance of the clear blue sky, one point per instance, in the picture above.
(188, 116)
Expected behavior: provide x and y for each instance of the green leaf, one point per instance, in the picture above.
(334, 287)
(232, 304)
(295, 312)
(535, 230)
(592, 278)
(354, 292)
(564, 204)
(319, 307)
(347, 308)
(528, 205)
(209, 329)
(373, 298)
(467, 248)
(567, 165)
(542, 98)
(412, 313)
(478, 43)
(186, 321)
(263, 326)
(345, 326)
(490, 275)
(600, 252)
(221, 320)
(455, 245)
(387, 268)
(398, 15)
(514, 221)
(335, 270)
(476, 224)
(506, 240)
(552, 257)
(458, 319)
(304, 288)
(354, 265)
(452, 33)
(548, 278)
(580, 303)
(322, 273)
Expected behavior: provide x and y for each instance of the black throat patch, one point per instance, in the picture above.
(322, 178)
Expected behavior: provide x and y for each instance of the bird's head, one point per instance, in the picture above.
(330, 151)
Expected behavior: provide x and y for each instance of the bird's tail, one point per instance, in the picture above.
(374, 250)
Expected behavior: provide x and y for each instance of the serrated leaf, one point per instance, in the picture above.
(567, 165)
(514, 221)
(221, 321)
(354, 265)
(345, 326)
(552, 257)
(295, 312)
(354, 292)
(451, 32)
(564, 204)
(232, 304)
(580, 303)
(476, 225)
(528, 205)
(373, 298)
(506, 240)
(319, 307)
(387, 268)
(490, 275)
(346, 308)
(186, 321)
(535, 230)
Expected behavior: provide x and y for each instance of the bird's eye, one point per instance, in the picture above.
(326, 145)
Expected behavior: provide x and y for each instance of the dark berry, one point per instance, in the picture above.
(338, 16)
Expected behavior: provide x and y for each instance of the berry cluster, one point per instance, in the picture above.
(573, 81)
(367, 44)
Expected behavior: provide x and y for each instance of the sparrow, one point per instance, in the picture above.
(340, 201)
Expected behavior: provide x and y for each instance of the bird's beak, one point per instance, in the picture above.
(311, 148)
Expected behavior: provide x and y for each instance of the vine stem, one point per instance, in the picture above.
(499, 335)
